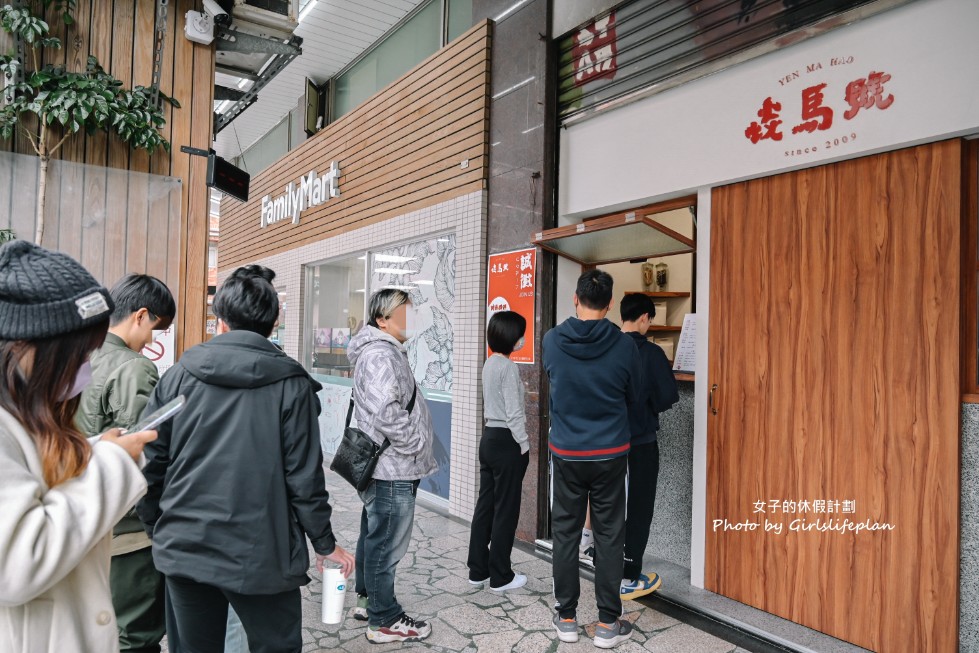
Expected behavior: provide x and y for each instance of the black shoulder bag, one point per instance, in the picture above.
(357, 455)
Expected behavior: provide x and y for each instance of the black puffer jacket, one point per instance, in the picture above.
(236, 479)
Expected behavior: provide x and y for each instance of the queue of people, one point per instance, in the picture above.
(198, 529)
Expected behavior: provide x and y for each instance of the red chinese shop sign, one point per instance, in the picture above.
(595, 51)
(511, 285)
(813, 111)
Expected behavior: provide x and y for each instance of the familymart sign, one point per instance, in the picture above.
(311, 190)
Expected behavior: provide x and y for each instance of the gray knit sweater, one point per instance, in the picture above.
(503, 395)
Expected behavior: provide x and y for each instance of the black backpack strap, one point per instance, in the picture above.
(411, 404)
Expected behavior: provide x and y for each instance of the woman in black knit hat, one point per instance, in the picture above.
(60, 495)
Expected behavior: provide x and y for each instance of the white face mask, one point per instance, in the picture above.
(520, 344)
(412, 320)
(82, 380)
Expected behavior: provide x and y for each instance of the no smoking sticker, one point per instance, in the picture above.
(160, 351)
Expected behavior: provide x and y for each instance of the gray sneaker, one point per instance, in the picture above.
(567, 629)
(611, 635)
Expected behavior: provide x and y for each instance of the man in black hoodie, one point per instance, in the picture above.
(235, 481)
(594, 375)
(659, 393)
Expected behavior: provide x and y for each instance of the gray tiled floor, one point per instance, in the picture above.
(432, 584)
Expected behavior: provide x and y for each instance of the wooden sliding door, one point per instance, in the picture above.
(834, 347)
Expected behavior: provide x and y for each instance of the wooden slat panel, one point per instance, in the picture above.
(143, 25)
(6, 195)
(53, 205)
(73, 177)
(970, 267)
(403, 99)
(368, 181)
(56, 57)
(460, 107)
(143, 234)
(96, 155)
(137, 216)
(394, 196)
(179, 162)
(160, 162)
(834, 343)
(117, 185)
(23, 204)
(399, 151)
(193, 269)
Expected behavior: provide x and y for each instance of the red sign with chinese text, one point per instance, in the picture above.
(511, 285)
(595, 51)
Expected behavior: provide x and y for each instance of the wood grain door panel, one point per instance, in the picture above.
(834, 343)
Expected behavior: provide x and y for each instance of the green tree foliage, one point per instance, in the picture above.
(65, 102)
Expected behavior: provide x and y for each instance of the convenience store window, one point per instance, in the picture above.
(425, 269)
(336, 296)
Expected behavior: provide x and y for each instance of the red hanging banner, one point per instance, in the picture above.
(511, 285)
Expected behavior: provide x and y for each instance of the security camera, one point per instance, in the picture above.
(221, 17)
(199, 27)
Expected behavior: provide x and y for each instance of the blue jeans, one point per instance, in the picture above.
(385, 530)
(235, 639)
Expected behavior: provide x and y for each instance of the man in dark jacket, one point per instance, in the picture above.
(594, 378)
(658, 393)
(236, 480)
(122, 381)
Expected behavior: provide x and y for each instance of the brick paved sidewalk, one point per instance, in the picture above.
(432, 584)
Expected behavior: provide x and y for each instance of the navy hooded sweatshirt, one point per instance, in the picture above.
(594, 375)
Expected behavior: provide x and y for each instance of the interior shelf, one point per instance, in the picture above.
(660, 327)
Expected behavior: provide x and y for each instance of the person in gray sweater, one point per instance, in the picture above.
(388, 405)
(503, 459)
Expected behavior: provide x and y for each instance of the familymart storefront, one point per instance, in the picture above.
(831, 467)
(390, 195)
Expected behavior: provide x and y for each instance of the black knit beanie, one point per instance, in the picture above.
(45, 293)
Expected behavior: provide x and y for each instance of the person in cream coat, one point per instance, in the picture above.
(60, 495)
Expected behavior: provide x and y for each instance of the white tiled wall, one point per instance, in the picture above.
(466, 216)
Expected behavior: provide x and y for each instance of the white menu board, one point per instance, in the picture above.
(686, 350)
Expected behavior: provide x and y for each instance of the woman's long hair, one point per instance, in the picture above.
(35, 398)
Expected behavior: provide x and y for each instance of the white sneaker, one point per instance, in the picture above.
(478, 582)
(519, 580)
(405, 629)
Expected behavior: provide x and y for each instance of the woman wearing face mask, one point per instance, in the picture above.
(60, 495)
(388, 405)
(503, 458)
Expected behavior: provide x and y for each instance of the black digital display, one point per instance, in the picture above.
(227, 178)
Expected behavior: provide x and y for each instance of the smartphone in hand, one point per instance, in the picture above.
(157, 417)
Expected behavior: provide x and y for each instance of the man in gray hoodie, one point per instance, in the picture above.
(388, 406)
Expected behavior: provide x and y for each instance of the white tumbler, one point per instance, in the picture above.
(334, 588)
